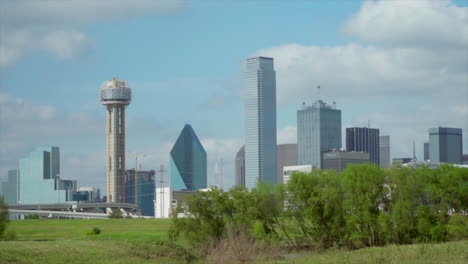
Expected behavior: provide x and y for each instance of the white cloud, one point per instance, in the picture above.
(408, 23)
(221, 151)
(287, 135)
(66, 43)
(51, 25)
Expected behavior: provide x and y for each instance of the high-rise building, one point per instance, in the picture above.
(10, 188)
(318, 131)
(364, 139)
(465, 159)
(445, 145)
(188, 162)
(115, 96)
(260, 121)
(139, 189)
(40, 181)
(385, 152)
(240, 166)
(426, 150)
(339, 160)
(287, 156)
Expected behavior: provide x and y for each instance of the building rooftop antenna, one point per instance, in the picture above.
(318, 92)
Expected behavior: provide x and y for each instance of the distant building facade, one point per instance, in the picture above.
(318, 131)
(445, 145)
(287, 156)
(10, 188)
(364, 139)
(385, 152)
(139, 189)
(289, 170)
(40, 181)
(426, 150)
(188, 163)
(260, 121)
(240, 167)
(465, 158)
(398, 162)
(339, 160)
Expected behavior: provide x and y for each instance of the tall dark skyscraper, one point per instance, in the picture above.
(188, 162)
(445, 145)
(364, 139)
(140, 192)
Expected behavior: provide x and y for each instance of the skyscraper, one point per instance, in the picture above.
(445, 145)
(39, 181)
(240, 166)
(364, 139)
(141, 191)
(188, 162)
(385, 152)
(115, 96)
(260, 121)
(426, 150)
(10, 188)
(287, 156)
(318, 131)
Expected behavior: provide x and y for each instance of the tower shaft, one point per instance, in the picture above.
(116, 153)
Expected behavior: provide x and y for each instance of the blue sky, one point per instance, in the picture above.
(383, 61)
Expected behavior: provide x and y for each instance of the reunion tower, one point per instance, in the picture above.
(115, 96)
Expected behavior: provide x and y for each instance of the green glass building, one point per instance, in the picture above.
(188, 168)
(40, 181)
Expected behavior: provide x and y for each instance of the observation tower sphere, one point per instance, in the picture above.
(115, 95)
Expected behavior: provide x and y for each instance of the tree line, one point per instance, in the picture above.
(363, 206)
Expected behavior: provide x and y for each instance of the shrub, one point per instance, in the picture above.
(9, 235)
(94, 231)
(3, 216)
(31, 216)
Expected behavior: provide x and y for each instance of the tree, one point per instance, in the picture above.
(316, 201)
(365, 194)
(3, 216)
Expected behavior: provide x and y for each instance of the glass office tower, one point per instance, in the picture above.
(188, 162)
(141, 192)
(426, 150)
(385, 152)
(445, 145)
(318, 131)
(364, 139)
(40, 181)
(10, 188)
(260, 121)
(240, 167)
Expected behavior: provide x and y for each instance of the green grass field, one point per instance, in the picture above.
(134, 241)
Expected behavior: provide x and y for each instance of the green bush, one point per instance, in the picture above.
(363, 206)
(9, 235)
(31, 216)
(3, 216)
(94, 231)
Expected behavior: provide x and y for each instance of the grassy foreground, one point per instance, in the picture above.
(133, 241)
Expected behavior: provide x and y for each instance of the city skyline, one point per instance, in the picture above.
(393, 80)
